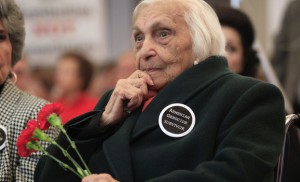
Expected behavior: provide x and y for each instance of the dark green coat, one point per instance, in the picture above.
(237, 136)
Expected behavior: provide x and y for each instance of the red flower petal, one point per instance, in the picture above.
(58, 109)
(32, 124)
(22, 149)
(25, 137)
(46, 111)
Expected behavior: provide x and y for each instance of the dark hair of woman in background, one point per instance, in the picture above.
(242, 58)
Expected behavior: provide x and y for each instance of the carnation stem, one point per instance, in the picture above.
(62, 164)
(77, 166)
(37, 146)
(44, 137)
(87, 171)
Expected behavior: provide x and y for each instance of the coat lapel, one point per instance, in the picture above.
(117, 149)
(181, 90)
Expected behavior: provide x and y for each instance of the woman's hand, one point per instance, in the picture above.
(128, 95)
(99, 178)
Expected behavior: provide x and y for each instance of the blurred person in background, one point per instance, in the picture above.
(286, 54)
(240, 36)
(35, 82)
(72, 78)
(103, 80)
(125, 65)
(21, 68)
(16, 106)
(41, 83)
(108, 77)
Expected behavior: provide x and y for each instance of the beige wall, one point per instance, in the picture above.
(266, 16)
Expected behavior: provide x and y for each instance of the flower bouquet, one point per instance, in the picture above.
(30, 138)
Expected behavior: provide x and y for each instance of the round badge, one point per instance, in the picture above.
(3, 133)
(176, 120)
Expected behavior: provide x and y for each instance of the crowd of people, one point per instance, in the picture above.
(187, 100)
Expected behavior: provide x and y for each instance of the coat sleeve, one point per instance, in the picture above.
(249, 141)
(85, 131)
(87, 125)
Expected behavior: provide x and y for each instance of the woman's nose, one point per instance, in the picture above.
(148, 49)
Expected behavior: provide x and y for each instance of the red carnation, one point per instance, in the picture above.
(25, 137)
(29, 139)
(45, 113)
(32, 125)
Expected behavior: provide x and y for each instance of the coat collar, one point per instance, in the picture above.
(189, 83)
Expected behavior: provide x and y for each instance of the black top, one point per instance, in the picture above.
(1, 87)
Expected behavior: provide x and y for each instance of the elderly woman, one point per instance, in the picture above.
(16, 107)
(182, 116)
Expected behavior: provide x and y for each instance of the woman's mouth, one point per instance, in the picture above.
(149, 70)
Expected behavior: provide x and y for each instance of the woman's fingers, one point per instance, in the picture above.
(140, 84)
(135, 97)
(128, 95)
(138, 74)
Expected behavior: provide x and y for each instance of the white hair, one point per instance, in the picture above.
(203, 24)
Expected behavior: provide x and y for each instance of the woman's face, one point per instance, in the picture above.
(5, 54)
(66, 76)
(163, 44)
(234, 49)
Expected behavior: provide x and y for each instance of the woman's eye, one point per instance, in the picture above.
(139, 38)
(230, 48)
(163, 33)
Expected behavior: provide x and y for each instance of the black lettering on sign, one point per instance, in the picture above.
(176, 120)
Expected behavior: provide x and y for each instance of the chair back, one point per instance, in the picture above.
(289, 161)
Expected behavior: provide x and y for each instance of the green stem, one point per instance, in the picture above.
(37, 146)
(87, 171)
(66, 154)
(62, 164)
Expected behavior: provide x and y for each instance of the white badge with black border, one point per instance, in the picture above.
(177, 120)
(3, 136)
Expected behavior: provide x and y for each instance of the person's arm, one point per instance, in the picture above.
(92, 128)
(249, 141)
(87, 125)
(128, 94)
(82, 128)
